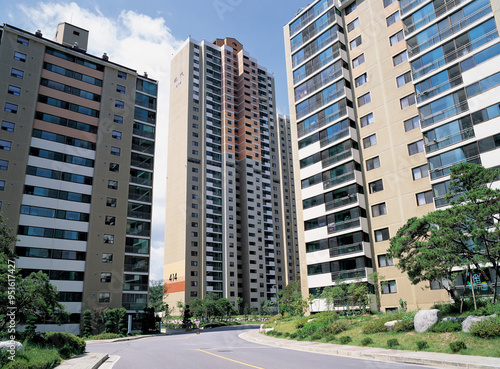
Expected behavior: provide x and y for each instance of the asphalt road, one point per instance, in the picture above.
(221, 348)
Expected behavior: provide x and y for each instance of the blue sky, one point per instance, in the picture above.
(144, 38)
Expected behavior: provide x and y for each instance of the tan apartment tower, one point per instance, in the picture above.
(76, 160)
(411, 106)
(230, 219)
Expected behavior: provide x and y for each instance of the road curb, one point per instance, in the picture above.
(86, 361)
(432, 359)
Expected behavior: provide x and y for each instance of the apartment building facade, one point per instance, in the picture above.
(76, 175)
(410, 117)
(230, 219)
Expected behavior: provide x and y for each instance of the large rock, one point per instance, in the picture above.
(390, 325)
(11, 345)
(473, 319)
(424, 319)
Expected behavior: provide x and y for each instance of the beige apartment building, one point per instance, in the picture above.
(76, 160)
(230, 219)
(420, 85)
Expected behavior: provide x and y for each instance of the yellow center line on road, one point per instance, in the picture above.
(234, 361)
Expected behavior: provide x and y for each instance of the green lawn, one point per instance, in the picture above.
(437, 342)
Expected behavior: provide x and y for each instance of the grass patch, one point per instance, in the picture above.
(355, 328)
(33, 357)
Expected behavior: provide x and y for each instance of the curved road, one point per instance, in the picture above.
(221, 348)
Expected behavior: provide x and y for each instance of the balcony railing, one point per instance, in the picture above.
(445, 170)
(334, 159)
(449, 140)
(323, 122)
(349, 274)
(346, 249)
(337, 203)
(445, 113)
(315, 67)
(315, 48)
(410, 5)
(320, 103)
(411, 27)
(341, 226)
(317, 29)
(436, 90)
(329, 139)
(312, 89)
(338, 180)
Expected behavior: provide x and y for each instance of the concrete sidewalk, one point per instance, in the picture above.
(432, 359)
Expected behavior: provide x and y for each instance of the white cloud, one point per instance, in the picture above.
(134, 40)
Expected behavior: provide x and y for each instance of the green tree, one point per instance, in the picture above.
(359, 295)
(291, 301)
(374, 279)
(87, 323)
(225, 307)
(239, 302)
(466, 234)
(332, 295)
(157, 293)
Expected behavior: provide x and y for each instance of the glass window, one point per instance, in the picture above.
(2, 185)
(22, 40)
(364, 99)
(358, 60)
(4, 165)
(120, 89)
(420, 172)
(403, 79)
(412, 123)
(416, 147)
(112, 185)
(384, 261)
(8, 126)
(5, 145)
(373, 163)
(394, 39)
(355, 43)
(379, 209)
(13, 90)
(388, 2)
(11, 108)
(114, 167)
(107, 258)
(370, 141)
(361, 80)
(122, 75)
(425, 198)
(119, 104)
(117, 135)
(376, 186)
(105, 277)
(354, 24)
(109, 238)
(17, 73)
(366, 120)
(118, 119)
(393, 18)
(19, 56)
(115, 151)
(388, 287)
(381, 235)
(407, 101)
(350, 8)
(110, 201)
(110, 220)
(399, 58)
(104, 297)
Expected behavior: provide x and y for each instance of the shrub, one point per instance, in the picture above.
(316, 336)
(278, 334)
(337, 327)
(345, 340)
(393, 342)
(374, 326)
(18, 364)
(457, 346)
(488, 328)
(286, 334)
(422, 345)
(58, 340)
(105, 336)
(301, 322)
(274, 318)
(366, 341)
(443, 327)
(293, 335)
(405, 324)
(329, 338)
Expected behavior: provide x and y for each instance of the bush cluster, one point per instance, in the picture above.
(457, 346)
(488, 328)
(443, 327)
(374, 326)
(302, 322)
(366, 341)
(393, 342)
(406, 323)
(345, 340)
(106, 336)
(67, 344)
(421, 345)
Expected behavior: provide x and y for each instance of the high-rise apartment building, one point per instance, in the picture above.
(385, 96)
(230, 218)
(76, 160)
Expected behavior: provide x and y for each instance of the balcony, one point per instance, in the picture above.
(321, 102)
(341, 226)
(436, 90)
(335, 159)
(323, 122)
(445, 113)
(449, 140)
(445, 170)
(411, 27)
(337, 203)
(349, 274)
(338, 180)
(346, 249)
(316, 86)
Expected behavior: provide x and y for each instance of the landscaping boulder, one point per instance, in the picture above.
(390, 325)
(424, 319)
(472, 319)
(11, 345)
(453, 319)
